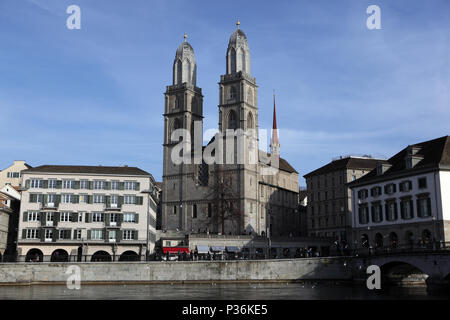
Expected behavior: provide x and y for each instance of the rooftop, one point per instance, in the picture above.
(349, 162)
(132, 171)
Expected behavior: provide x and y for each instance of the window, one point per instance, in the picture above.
(129, 199)
(84, 184)
(353, 178)
(232, 92)
(377, 214)
(424, 207)
(375, 191)
(97, 234)
(68, 184)
(64, 234)
(112, 235)
(406, 208)
(97, 217)
(80, 217)
(129, 217)
(363, 194)
(77, 234)
(391, 211)
(113, 217)
(129, 235)
(99, 198)
(51, 198)
(422, 183)
(39, 197)
(99, 184)
(232, 120)
(36, 183)
(114, 199)
(50, 216)
(115, 185)
(390, 188)
(48, 234)
(130, 185)
(66, 198)
(33, 216)
(405, 186)
(32, 233)
(363, 215)
(194, 211)
(84, 198)
(52, 183)
(66, 216)
(209, 210)
(174, 209)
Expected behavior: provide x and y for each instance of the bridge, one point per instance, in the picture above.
(408, 268)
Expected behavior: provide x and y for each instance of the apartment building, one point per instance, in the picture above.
(12, 174)
(87, 213)
(329, 208)
(405, 201)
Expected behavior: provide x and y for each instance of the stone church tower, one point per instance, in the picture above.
(194, 192)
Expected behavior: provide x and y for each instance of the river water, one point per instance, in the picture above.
(263, 291)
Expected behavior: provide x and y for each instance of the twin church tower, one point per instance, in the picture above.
(229, 198)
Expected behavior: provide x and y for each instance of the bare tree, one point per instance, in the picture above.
(224, 198)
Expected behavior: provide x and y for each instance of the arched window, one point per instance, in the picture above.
(232, 120)
(179, 72)
(243, 65)
(249, 121)
(232, 61)
(187, 71)
(177, 124)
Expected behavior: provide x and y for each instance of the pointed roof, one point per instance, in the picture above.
(274, 127)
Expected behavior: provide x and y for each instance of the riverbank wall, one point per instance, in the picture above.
(178, 271)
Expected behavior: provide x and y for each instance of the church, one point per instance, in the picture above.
(253, 196)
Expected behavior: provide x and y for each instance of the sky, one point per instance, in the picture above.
(95, 96)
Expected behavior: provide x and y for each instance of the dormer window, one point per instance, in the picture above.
(412, 157)
(382, 167)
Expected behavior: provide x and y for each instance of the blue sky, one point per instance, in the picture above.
(95, 96)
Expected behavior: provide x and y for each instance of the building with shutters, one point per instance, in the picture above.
(12, 174)
(405, 200)
(87, 212)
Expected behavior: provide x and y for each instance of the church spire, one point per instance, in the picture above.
(274, 143)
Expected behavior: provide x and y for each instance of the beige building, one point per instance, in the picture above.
(12, 174)
(329, 209)
(405, 200)
(5, 212)
(87, 212)
(229, 198)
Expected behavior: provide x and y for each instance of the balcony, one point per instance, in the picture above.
(113, 207)
(50, 206)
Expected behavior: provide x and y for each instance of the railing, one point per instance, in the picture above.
(413, 249)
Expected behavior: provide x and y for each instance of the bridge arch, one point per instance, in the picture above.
(402, 273)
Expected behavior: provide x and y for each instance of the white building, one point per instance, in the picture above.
(405, 201)
(12, 174)
(87, 212)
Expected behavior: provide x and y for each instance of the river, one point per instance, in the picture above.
(263, 291)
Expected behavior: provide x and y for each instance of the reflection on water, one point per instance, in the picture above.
(278, 291)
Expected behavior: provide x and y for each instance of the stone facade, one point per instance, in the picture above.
(260, 203)
(329, 210)
(84, 210)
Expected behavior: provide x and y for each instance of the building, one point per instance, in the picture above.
(9, 210)
(303, 211)
(329, 210)
(87, 212)
(230, 198)
(12, 174)
(405, 201)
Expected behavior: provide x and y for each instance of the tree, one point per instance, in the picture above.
(225, 199)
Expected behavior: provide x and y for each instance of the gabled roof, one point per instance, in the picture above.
(434, 154)
(345, 163)
(132, 171)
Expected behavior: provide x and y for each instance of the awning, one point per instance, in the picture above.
(232, 249)
(202, 249)
(217, 248)
(175, 249)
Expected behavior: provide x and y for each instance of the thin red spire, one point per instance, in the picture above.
(275, 129)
